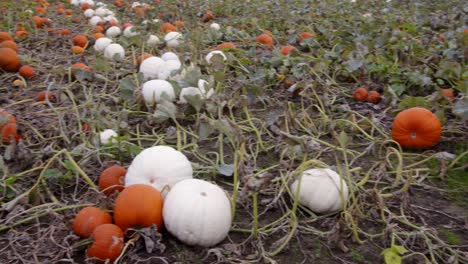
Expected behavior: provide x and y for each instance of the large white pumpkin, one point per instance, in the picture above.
(160, 167)
(321, 190)
(197, 213)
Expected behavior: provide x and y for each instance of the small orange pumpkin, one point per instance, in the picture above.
(27, 71)
(112, 179)
(226, 46)
(21, 34)
(5, 36)
(143, 57)
(373, 97)
(80, 40)
(41, 96)
(9, 44)
(417, 128)
(107, 242)
(130, 211)
(448, 92)
(9, 132)
(360, 94)
(168, 27)
(305, 35)
(286, 49)
(77, 50)
(88, 219)
(209, 15)
(9, 60)
(81, 66)
(265, 39)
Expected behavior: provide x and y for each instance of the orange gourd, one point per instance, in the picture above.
(265, 39)
(9, 60)
(112, 179)
(9, 44)
(417, 128)
(179, 24)
(138, 205)
(80, 66)
(38, 21)
(360, 94)
(107, 242)
(286, 49)
(27, 71)
(209, 15)
(88, 219)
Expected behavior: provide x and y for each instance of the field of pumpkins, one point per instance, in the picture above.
(268, 131)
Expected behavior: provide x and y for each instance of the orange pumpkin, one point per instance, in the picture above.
(21, 34)
(448, 92)
(286, 49)
(27, 71)
(209, 15)
(5, 36)
(77, 50)
(138, 205)
(38, 21)
(360, 94)
(88, 219)
(80, 40)
(305, 35)
(265, 39)
(416, 127)
(107, 242)
(9, 60)
(41, 96)
(168, 27)
(226, 46)
(9, 44)
(179, 24)
(373, 97)
(80, 66)
(112, 179)
(9, 132)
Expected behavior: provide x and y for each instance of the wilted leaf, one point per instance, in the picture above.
(412, 101)
(165, 110)
(226, 169)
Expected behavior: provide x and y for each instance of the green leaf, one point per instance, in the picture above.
(165, 110)
(195, 100)
(461, 108)
(226, 169)
(391, 257)
(127, 89)
(412, 101)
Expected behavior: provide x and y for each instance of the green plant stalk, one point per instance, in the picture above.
(237, 156)
(255, 214)
(257, 133)
(33, 217)
(80, 171)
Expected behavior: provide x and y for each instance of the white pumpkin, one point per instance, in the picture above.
(210, 55)
(113, 32)
(114, 52)
(130, 32)
(89, 13)
(151, 67)
(173, 39)
(160, 167)
(321, 190)
(169, 56)
(215, 26)
(153, 41)
(153, 91)
(169, 66)
(93, 21)
(197, 213)
(107, 135)
(101, 44)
